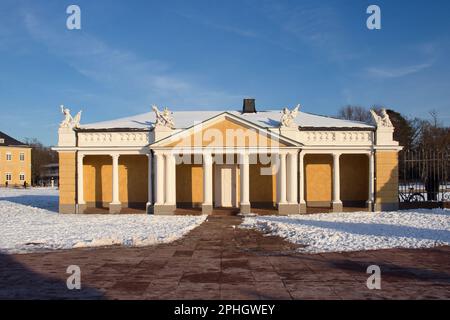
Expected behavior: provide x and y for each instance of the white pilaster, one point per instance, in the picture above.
(370, 200)
(282, 180)
(170, 179)
(80, 181)
(150, 182)
(336, 182)
(207, 179)
(245, 178)
(301, 168)
(115, 179)
(159, 186)
(292, 178)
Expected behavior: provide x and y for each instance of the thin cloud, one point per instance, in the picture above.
(150, 79)
(315, 25)
(236, 30)
(379, 72)
(247, 33)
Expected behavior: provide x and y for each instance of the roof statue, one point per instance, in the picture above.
(288, 117)
(163, 118)
(382, 120)
(69, 121)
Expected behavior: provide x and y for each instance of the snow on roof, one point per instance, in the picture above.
(185, 119)
(6, 140)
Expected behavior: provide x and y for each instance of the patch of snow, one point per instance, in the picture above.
(29, 222)
(186, 119)
(356, 231)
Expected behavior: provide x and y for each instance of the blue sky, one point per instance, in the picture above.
(210, 54)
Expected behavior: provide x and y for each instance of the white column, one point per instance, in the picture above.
(371, 181)
(207, 178)
(149, 181)
(159, 185)
(245, 178)
(170, 179)
(80, 181)
(115, 179)
(336, 179)
(301, 168)
(292, 178)
(282, 180)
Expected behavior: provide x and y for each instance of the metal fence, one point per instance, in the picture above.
(424, 177)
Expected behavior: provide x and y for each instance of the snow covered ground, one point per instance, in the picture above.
(29, 222)
(337, 232)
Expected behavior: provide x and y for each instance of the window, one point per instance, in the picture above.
(8, 177)
(22, 177)
(2, 141)
(22, 156)
(8, 156)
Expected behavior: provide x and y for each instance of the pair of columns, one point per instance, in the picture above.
(336, 201)
(288, 178)
(165, 187)
(287, 183)
(165, 182)
(114, 206)
(207, 205)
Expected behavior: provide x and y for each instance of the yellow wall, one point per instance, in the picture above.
(133, 179)
(97, 179)
(189, 183)
(387, 176)
(15, 166)
(318, 183)
(354, 175)
(67, 180)
(226, 132)
(263, 188)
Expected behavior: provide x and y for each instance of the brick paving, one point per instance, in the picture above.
(217, 260)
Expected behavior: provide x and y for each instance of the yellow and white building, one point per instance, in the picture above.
(284, 160)
(15, 162)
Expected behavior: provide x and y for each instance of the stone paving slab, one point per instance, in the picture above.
(217, 260)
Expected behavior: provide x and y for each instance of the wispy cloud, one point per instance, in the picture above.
(238, 30)
(149, 78)
(316, 26)
(396, 72)
(235, 29)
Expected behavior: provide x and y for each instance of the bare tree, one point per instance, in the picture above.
(434, 117)
(355, 113)
(40, 156)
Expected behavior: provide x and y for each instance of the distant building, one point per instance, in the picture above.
(49, 175)
(15, 162)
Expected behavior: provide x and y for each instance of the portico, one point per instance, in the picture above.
(230, 171)
(291, 192)
(233, 160)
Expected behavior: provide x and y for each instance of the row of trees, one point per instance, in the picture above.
(424, 162)
(411, 133)
(41, 156)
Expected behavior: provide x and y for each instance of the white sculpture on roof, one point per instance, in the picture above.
(69, 121)
(382, 120)
(163, 118)
(288, 117)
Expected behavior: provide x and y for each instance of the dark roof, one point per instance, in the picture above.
(6, 140)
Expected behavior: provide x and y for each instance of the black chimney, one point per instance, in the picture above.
(249, 106)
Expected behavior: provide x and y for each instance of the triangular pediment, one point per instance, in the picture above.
(225, 130)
